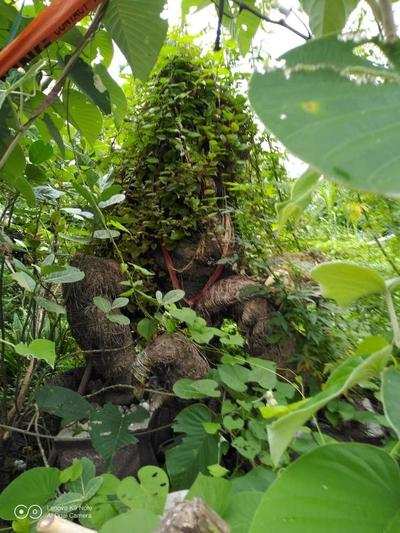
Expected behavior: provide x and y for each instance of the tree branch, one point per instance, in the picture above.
(47, 102)
(376, 10)
(72, 439)
(217, 45)
(388, 23)
(281, 22)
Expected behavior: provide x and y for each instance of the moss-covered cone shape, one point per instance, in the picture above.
(191, 134)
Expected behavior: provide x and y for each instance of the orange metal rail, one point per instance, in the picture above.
(56, 19)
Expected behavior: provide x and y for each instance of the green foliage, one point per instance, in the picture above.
(190, 134)
(201, 388)
(353, 371)
(136, 521)
(140, 42)
(346, 283)
(110, 309)
(198, 449)
(33, 487)
(244, 384)
(104, 504)
(110, 430)
(336, 488)
(300, 197)
(328, 16)
(315, 111)
(390, 388)
(150, 493)
(191, 151)
(38, 348)
(62, 402)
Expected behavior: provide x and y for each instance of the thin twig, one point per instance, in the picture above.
(128, 387)
(388, 23)
(217, 45)
(72, 439)
(281, 22)
(23, 390)
(39, 442)
(50, 98)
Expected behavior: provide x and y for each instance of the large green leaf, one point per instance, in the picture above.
(391, 397)
(24, 280)
(338, 488)
(110, 430)
(247, 25)
(151, 493)
(84, 77)
(40, 349)
(104, 43)
(215, 492)
(50, 305)
(119, 105)
(102, 506)
(34, 487)
(187, 5)
(347, 128)
(15, 164)
(346, 282)
(138, 30)
(13, 172)
(54, 131)
(300, 197)
(329, 52)
(62, 402)
(198, 449)
(84, 115)
(328, 16)
(196, 388)
(236, 508)
(136, 521)
(241, 510)
(69, 274)
(258, 479)
(22, 185)
(40, 151)
(354, 370)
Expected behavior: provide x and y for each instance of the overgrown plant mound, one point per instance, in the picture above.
(191, 134)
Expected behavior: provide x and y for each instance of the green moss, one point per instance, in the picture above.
(191, 133)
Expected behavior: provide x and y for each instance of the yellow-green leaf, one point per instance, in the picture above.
(346, 282)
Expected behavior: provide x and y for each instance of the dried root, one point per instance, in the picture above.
(224, 294)
(171, 357)
(110, 344)
(245, 300)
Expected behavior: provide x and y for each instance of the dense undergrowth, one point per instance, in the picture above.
(306, 430)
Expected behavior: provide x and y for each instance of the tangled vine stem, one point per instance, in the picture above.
(217, 45)
(281, 22)
(71, 439)
(133, 389)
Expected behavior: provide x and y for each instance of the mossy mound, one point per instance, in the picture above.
(190, 135)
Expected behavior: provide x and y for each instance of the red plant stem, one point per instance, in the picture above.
(169, 264)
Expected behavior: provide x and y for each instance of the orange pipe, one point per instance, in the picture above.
(52, 22)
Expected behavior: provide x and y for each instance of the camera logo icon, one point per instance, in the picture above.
(34, 512)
